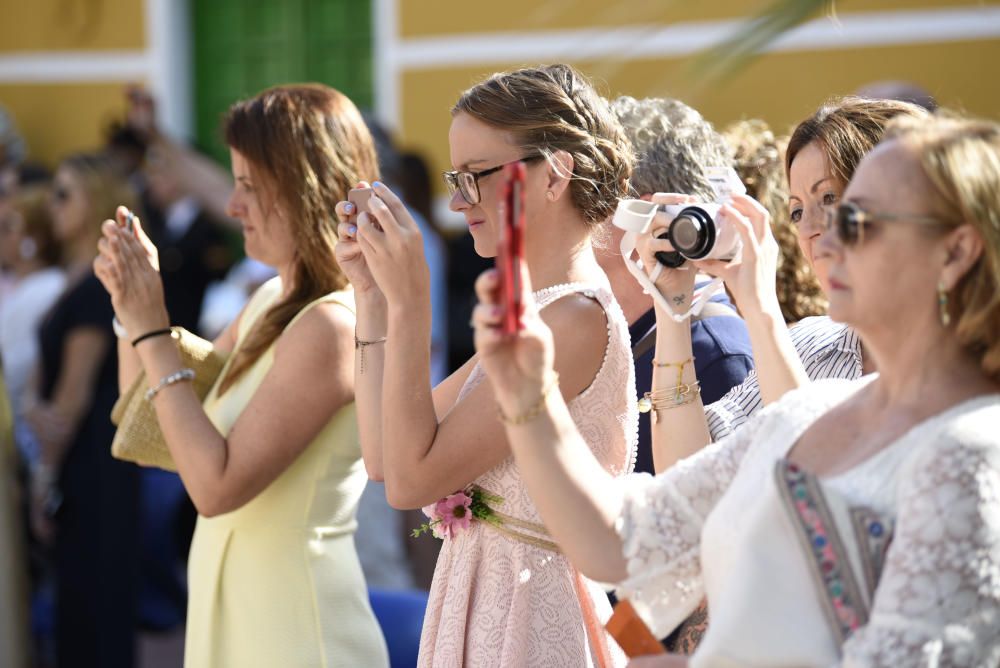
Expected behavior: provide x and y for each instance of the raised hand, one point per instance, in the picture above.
(127, 265)
(348, 251)
(393, 249)
(676, 285)
(520, 364)
(751, 278)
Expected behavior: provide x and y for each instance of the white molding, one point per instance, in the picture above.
(385, 40)
(168, 39)
(846, 31)
(73, 66)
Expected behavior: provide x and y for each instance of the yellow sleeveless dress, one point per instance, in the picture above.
(277, 582)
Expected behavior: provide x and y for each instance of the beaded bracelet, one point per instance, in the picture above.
(167, 381)
(535, 410)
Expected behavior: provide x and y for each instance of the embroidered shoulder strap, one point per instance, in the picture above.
(828, 547)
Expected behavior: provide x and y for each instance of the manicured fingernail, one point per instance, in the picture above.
(376, 184)
(349, 208)
(353, 229)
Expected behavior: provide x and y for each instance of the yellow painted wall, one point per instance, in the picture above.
(427, 18)
(60, 25)
(61, 118)
(57, 119)
(781, 88)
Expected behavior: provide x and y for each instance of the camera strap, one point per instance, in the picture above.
(698, 299)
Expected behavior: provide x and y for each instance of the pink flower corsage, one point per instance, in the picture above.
(456, 511)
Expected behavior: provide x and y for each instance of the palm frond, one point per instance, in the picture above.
(735, 52)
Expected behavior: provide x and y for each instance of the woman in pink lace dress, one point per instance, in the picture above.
(503, 594)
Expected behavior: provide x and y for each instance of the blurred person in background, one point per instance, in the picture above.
(31, 255)
(758, 158)
(270, 458)
(84, 501)
(13, 571)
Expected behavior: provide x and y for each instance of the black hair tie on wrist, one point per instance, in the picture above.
(148, 335)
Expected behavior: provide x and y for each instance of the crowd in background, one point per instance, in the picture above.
(95, 549)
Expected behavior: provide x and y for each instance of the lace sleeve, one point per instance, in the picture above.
(661, 524)
(938, 601)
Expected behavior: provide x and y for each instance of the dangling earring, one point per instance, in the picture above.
(943, 304)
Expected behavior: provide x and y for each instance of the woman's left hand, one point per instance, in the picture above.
(393, 248)
(128, 266)
(751, 279)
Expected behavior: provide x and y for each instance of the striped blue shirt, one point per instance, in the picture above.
(827, 349)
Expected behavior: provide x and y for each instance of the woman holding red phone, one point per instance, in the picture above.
(503, 593)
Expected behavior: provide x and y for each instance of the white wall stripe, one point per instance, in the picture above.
(847, 31)
(385, 37)
(74, 66)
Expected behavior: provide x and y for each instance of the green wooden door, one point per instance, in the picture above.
(244, 46)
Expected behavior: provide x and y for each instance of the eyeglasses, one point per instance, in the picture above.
(467, 183)
(849, 221)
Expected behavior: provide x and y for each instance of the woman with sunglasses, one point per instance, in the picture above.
(503, 594)
(849, 523)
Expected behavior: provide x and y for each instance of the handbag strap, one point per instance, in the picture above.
(595, 630)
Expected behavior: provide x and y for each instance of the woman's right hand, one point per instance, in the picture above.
(676, 285)
(348, 251)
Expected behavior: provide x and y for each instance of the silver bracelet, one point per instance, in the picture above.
(120, 330)
(167, 381)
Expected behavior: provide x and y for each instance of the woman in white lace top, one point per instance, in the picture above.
(888, 551)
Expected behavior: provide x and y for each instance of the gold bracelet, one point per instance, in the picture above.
(670, 397)
(360, 345)
(535, 410)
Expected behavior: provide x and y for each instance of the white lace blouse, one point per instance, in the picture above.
(708, 527)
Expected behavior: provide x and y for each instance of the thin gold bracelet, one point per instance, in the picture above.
(535, 410)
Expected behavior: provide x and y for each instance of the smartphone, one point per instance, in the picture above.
(359, 198)
(631, 633)
(511, 251)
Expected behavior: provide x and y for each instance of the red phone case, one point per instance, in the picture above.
(511, 251)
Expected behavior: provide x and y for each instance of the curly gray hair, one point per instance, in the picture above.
(673, 144)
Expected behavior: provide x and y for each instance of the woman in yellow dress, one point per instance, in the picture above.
(271, 460)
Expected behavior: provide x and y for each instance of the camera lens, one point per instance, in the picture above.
(669, 259)
(692, 233)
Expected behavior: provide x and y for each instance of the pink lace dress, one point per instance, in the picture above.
(497, 600)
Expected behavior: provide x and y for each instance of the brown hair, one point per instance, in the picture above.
(757, 158)
(31, 204)
(961, 158)
(307, 146)
(847, 129)
(104, 186)
(554, 108)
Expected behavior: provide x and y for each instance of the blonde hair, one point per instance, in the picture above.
(961, 158)
(555, 108)
(758, 157)
(104, 186)
(308, 145)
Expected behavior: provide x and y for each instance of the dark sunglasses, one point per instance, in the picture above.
(849, 221)
(467, 183)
